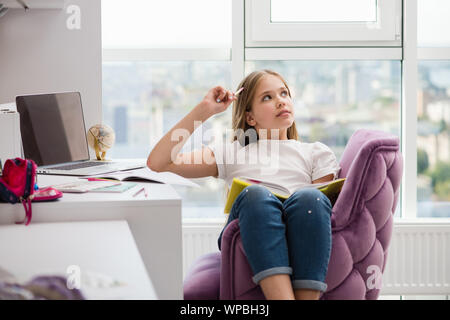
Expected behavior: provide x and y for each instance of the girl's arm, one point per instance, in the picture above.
(324, 179)
(199, 163)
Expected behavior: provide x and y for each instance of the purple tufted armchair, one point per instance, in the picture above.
(361, 220)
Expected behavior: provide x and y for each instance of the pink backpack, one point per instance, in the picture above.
(17, 184)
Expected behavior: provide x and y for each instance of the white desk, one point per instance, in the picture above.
(100, 258)
(155, 223)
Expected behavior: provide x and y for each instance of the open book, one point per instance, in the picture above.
(330, 188)
(147, 175)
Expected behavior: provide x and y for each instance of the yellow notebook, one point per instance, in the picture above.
(330, 188)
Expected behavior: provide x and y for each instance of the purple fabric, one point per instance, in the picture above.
(362, 221)
(55, 286)
(40, 288)
(203, 280)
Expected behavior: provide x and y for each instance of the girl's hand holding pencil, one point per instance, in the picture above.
(218, 99)
(165, 155)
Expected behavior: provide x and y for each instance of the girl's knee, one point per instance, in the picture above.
(256, 192)
(255, 203)
(308, 195)
(309, 202)
(249, 195)
(311, 196)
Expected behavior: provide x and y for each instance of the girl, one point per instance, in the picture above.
(288, 243)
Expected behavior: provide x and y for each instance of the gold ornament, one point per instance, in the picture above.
(101, 137)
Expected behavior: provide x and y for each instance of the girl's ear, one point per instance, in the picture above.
(250, 120)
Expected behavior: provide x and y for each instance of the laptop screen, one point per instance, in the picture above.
(52, 128)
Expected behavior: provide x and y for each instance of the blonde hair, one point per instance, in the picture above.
(243, 104)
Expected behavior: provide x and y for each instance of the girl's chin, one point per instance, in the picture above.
(288, 121)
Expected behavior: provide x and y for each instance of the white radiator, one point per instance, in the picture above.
(418, 255)
(418, 259)
(199, 239)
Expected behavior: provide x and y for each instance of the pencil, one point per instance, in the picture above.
(139, 191)
(239, 91)
(235, 94)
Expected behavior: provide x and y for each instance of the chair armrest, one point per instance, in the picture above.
(377, 160)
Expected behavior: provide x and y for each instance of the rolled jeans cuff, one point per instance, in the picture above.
(309, 284)
(269, 272)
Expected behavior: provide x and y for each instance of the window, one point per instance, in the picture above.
(433, 109)
(433, 24)
(433, 139)
(323, 23)
(166, 24)
(332, 99)
(323, 11)
(143, 100)
(158, 63)
(349, 61)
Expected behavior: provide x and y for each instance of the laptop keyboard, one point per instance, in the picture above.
(80, 165)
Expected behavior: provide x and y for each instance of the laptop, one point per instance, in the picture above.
(54, 136)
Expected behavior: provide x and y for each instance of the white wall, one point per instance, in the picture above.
(40, 54)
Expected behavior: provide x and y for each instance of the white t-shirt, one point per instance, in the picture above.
(289, 163)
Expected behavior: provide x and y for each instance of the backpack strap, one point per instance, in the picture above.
(28, 211)
(29, 181)
(27, 195)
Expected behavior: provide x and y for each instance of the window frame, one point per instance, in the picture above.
(433, 53)
(261, 32)
(323, 53)
(166, 54)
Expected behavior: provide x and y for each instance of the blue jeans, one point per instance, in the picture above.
(291, 237)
